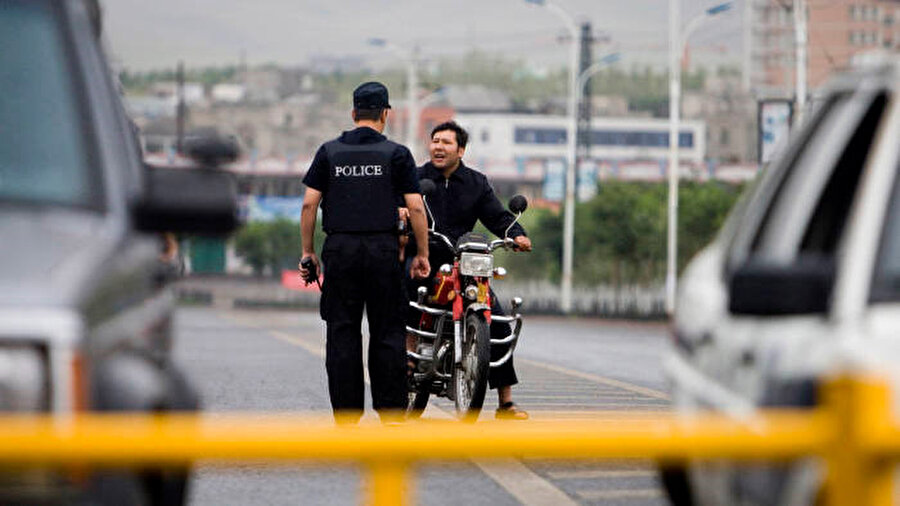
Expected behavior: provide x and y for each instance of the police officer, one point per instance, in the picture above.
(358, 179)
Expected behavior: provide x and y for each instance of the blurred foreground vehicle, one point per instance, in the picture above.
(84, 313)
(802, 282)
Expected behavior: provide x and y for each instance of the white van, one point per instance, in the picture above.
(802, 282)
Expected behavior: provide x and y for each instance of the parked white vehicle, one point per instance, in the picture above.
(85, 313)
(803, 282)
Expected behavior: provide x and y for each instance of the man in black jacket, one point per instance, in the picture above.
(462, 197)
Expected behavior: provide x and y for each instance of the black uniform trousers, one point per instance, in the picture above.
(505, 375)
(361, 271)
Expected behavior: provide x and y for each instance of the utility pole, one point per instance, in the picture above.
(412, 101)
(180, 111)
(584, 107)
(675, 52)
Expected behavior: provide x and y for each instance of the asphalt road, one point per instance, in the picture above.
(568, 368)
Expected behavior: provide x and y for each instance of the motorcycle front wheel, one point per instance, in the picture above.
(416, 402)
(470, 376)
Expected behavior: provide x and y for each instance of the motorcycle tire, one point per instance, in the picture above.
(416, 404)
(675, 483)
(470, 376)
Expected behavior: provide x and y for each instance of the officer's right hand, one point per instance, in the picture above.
(304, 273)
(420, 268)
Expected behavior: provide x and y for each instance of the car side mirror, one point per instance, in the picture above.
(202, 201)
(210, 151)
(767, 289)
(518, 204)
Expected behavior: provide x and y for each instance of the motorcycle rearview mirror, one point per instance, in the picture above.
(518, 204)
(427, 186)
(212, 151)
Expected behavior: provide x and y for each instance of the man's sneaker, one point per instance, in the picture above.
(509, 411)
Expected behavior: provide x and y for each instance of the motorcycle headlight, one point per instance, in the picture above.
(476, 264)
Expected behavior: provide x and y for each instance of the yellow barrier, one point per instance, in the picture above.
(851, 431)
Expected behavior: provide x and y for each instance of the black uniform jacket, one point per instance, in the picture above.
(404, 171)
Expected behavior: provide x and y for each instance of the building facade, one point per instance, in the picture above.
(838, 30)
(502, 139)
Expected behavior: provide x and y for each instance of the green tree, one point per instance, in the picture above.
(284, 237)
(274, 245)
(543, 262)
(702, 210)
(620, 234)
(251, 243)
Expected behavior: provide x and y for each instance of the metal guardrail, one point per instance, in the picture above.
(852, 431)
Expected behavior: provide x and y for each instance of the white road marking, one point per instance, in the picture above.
(539, 406)
(615, 396)
(523, 484)
(606, 495)
(602, 416)
(649, 392)
(585, 474)
(318, 350)
(518, 480)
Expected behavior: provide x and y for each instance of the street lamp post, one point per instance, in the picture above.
(677, 41)
(412, 84)
(572, 127)
(800, 36)
(592, 70)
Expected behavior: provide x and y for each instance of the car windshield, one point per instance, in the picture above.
(886, 283)
(44, 155)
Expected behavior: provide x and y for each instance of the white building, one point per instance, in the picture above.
(531, 149)
(505, 139)
(228, 93)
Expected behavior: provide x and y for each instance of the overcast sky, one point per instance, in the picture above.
(146, 35)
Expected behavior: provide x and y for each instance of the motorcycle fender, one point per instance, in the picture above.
(475, 307)
(458, 330)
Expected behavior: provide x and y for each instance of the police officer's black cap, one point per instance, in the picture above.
(371, 95)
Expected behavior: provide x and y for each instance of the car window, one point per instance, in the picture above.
(886, 282)
(768, 189)
(827, 222)
(808, 213)
(45, 156)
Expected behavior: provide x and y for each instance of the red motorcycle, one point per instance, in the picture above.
(452, 337)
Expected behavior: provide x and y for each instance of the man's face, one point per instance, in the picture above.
(444, 150)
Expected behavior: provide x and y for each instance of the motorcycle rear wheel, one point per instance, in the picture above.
(470, 376)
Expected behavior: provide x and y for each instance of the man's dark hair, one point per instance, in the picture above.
(367, 114)
(462, 137)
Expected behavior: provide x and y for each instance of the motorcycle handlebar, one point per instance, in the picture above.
(496, 243)
(503, 243)
(443, 238)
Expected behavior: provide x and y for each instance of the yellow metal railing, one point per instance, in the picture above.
(852, 431)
